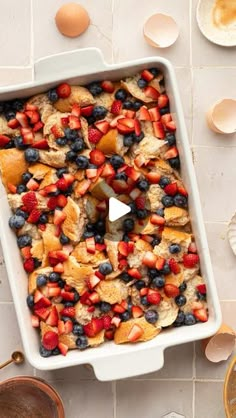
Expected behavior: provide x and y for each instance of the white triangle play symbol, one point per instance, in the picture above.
(117, 209)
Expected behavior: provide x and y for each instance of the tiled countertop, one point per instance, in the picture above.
(188, 384)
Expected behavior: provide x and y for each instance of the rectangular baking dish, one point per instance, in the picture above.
(109, 361)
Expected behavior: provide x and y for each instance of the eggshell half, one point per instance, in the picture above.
(160, 30)
(232, 233)
(221, 345)
(221, 117)
(72, 19)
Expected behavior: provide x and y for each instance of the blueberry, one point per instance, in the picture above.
(180, 300)
(10, 144)
(88, 234)
(189, 319)
(143, 185)
(132, 207)
(26, 177)
(125, 316)
(167, 201)
(105, 307)
(121, 94)
(30, 301)
(166, 269)
(21, 188)
(180, 201)
(76, 296)
(37, 262)
(43, 219)
(139, 284)
(164, 181)
(82, 161)
(158, 282)
(78, 145)
(105, 268)
(154, 71)
(128, 104)
(151, 316)
(201, 296)
(137, 105)
(68, 304)
(61, 171)
(174, 248)
(171, 139)
(64, 239)
(17, 105)
(91, 119)
(126, 277)
(174, 163)
(160, 212)
(67, 318)
(142, 83)
(121, 176)
(61, 283)
(71, 156)
(41, 280)
(138, 138)
(155, 241)
(144, 301)
(71, 134)
(183, 287)
(56, 352)
(61, 141)
(152, 273)
(90, 227)
(10, 115)
(100, 226)
(125, 238)
(24, 241)
(54, 277)
(117, 161)
(19, 144)
(44, 352)
(99, 112)
(1, 107)
(16, 222)
(20, 212)
(99, 239)
(78, 329)
(68, 191)
(141, 213)
(128, 225)
(52, 95)
(128, 140)
(95, 88)
(180, 319)
(31, 155)
(82, 342)
(164, 110)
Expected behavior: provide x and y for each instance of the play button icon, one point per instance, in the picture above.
(117, 209)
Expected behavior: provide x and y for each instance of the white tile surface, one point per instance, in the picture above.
(5, 293)
(12, 75)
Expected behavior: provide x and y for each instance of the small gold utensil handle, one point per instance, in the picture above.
(6, 363)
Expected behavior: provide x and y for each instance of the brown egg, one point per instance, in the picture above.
(72, 19)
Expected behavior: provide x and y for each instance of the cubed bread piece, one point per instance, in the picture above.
(189, 274)
(175, 216)
(5, 130)
(130, 84)
(73, 225)
(37, 249)
(50, 242)
(149, 331)
(140, 248)
(82, 315)
(154, 196)
(146, 228)
(97, 340)
(55, 159)
(79, 95)
(167, 312)
(150, 147)
(69, 340)
(112, 291)
(39, 171)
(112, 143)
(54, 119)
(30, 230)
(111, 242)
(83, 256)
(75, 274)
(101, 190)
(84, 131)
(173, 236)
(176, 279)
(50, 178)
(191, 294)
(32, 280)
(45, 328)
(44, 105)
(90, 204)
(10, 158)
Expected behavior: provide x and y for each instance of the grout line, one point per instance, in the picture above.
(114, 398)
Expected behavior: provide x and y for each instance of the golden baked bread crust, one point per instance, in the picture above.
(8, 158)
(149, 331)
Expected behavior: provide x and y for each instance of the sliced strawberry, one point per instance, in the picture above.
(91, 308)
(201, 314)
(151, 92)
(129, 113)
(100, 247)
(135, 193)
(137, 311)
(124, 129)
(61, 327)
(34, 216)
(109, 334)
(144, 291)
(63, 90)
(69, 178)
(116, 107)
(108, 86)
(153, 297)
(201, 288)
(123, 248)
(174, 266)
(68, 296)
(140, 160)
(57, 131)
(61, 201)
(54, 292)
(166, 118)
(35, 321)
(102, 206)
(76, 110)
(12, 188)
(22, 119)
(44, 302)
(37, 295)
(63, 348)
(130, 247)
(192, 248)
(122, 264)
(132, 173)
(135, 333)
(41, 144)
(50, 340)
(99, 275)
(157, 219)
(171, 153)
(83, 186)
(118, 308)
(4, 140)
(90, 245)
(30, 106)
(147, 75)
(171, 126)
(61, 184)
(59, 217)
(106, 321)
(52, 203)
(153, 178)
(65, 121)
(97, 157)
(133, 272)
(94, 135)
(147, 238)
(68, 326)
(190, 260)
(33, 115)
(74, 122)
(182, 190)
(108, 171)
(25, 252)
(113, 123)
(158, 130)
(42, 313)
(154, 114)
(87, 110)
(140, 202)
(93, 280)
(120, 186)
(32, 184)
(91, 173)
(144, 113)
(93, 327)
(52, 188)
(171, 290)
(137, 127)
(116, 321)
(160, 263)
(60, 255)
(39, 125)
(53, 317)
(70, 312)
(163, 101)
(13, 123)
(149, 259)
(103, 126)
(171, 189)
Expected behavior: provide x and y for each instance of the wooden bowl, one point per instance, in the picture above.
(230, 390)
(28, 397)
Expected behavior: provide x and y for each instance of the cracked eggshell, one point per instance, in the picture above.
(232, 233)
(160, 30)
(72, 19)
(221, 345)
(221, 117)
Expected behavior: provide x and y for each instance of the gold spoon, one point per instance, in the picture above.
(17, 357)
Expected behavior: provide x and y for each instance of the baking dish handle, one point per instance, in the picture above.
(70, 63)
(127, 365)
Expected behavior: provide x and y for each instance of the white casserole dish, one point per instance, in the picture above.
(109, 361)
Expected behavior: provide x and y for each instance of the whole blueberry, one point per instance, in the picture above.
(121, 94)
(52, 95)
(61, 171)
(105, 307)
(91, 119)
(166, 269)
(44, 352)
(201, 296)
(143, 185)
(10, 115)
(19, 144)
(180, 319)
(90, 227)
(17, 105)
(180, 300)
(174, 248)
(164, 181)
(138, 138)
(31, 155)
(160, 212)
(56, 352)
(82, 161)
(105, 268)
(43, 219)
(125, 316)
(88, 234)
(139, 284)
(16, 222)
(99, 239)
(128, 225)
(82, 342)
(189, 319)
(24, 241)
(137, 105)
(171, 139)
(71, 156)
(78, 329)
(116, 161)
(128, 140)
(54, 277)
(164, 110)
(20, 212)
(142, 83)
(151, 316)
(21, 188)
(125, 238)
(144, 301)
(126, 277)
(132, 207)
(78, 145)
(183, 287)
(121, 176)
(128, 104)
(61, 141)
(155, 241)
(30, 301)
(100, 226)
(99, 112)
(154, 71)
(37, 262)
(26, 177)
(64, 239)
(76, 296)
(41, 280)
(10, 144)
(141, 213)
(180, 201)
(61, 283)
(95, 88)
(174, 163)
(71, 134)
(68, 304)
(152, 273)
(158, 282)
(167, 201)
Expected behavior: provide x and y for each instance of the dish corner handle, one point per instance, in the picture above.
(67, 63)
(129, 365)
